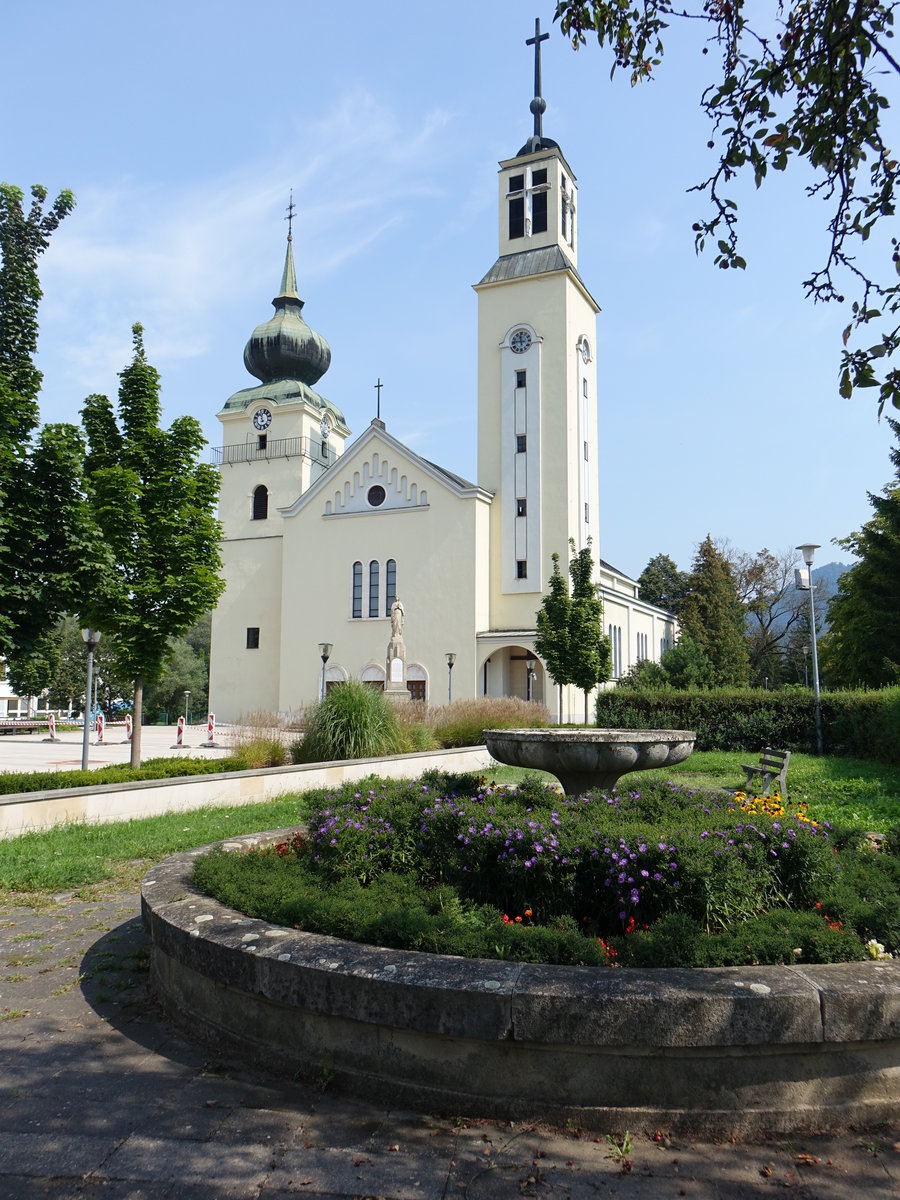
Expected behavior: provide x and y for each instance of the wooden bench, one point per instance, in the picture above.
(773, 765)
(22, 726)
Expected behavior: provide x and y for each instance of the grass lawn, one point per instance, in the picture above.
(115, 856)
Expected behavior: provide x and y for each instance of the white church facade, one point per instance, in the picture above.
(371, 521)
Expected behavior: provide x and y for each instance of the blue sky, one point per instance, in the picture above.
(182, 127)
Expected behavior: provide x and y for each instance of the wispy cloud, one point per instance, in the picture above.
(177, 257)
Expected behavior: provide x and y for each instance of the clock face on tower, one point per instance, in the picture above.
(520, 341)
(262, 419)
(585, 350)
(325, 428)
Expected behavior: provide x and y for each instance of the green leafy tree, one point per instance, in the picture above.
(46, 543)
(155, 504)
(805, 80)
(185, 669)
(713, 617)
(862, 645)
(552, 637)
(570, 638)
(662, 584)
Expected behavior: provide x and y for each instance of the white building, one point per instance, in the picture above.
(302, 504)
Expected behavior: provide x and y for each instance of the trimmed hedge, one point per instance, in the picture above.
(859, 723)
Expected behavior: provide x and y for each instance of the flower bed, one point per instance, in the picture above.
(661, 876)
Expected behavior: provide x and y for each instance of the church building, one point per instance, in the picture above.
(323, 534)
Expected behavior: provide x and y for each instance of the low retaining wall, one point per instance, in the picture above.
(149, 798)
(726, 1051)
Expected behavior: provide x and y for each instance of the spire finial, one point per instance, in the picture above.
(290, 216)
(538, 104)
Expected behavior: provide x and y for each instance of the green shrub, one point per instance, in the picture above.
(353, 721)
(463, 722)
(14, 782)
(860, 724)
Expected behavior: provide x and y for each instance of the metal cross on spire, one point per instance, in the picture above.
(538, 104)
(378, 386)
(291, 209)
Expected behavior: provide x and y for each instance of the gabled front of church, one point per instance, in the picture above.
(371, 522)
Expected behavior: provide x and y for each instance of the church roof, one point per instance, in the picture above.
(541, 261)
(451, 475)
(615, 570)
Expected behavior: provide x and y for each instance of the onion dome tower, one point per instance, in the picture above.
(286, 355)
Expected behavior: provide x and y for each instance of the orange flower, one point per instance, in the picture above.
(518, 920)
(527, 912)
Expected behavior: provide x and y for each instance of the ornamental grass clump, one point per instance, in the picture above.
(353, 721)
(654, 876)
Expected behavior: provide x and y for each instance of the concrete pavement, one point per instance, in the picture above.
(99, 1096)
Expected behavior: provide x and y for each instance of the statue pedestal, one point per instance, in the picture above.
(395, 688)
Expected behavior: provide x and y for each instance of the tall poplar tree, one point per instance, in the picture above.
(552, 637)
(155, 504)
(570, 637)
(46, 546)
(862, 645)
(714, 618)
(590, 651)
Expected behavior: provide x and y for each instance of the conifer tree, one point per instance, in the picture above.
(714, 618)
(155, 504)
(862, 645)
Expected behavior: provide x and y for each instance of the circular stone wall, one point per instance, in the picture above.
(735, 1050)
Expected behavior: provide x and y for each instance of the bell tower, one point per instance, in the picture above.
(537, 376)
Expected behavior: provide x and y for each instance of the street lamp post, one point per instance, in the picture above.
(325, 649)
(451, 659)
(91, 638)
(187, 692)
(529, 667)
(808, 550)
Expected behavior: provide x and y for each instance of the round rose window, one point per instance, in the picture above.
(376, 495)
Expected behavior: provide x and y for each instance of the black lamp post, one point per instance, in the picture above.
(325, 649)
(91, 638)
(451, 659)
(529, 666)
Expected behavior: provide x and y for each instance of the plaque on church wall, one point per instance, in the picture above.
(397, 671)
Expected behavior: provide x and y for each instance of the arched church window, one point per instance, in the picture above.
(260, 503)
(373, 588)
(390, 581)
(357, 589)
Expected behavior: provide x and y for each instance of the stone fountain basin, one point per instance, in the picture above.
(583, 759)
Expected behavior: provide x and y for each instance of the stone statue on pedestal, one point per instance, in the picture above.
(395, 683)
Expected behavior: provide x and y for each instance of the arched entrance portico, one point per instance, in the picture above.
(504, 671)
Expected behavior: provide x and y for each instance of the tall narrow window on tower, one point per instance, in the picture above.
(516, 206)
(539, 201)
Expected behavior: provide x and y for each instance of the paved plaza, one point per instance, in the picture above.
(35, 752)
(100, 1096)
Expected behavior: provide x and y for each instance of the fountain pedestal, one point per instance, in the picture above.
(583, 759)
